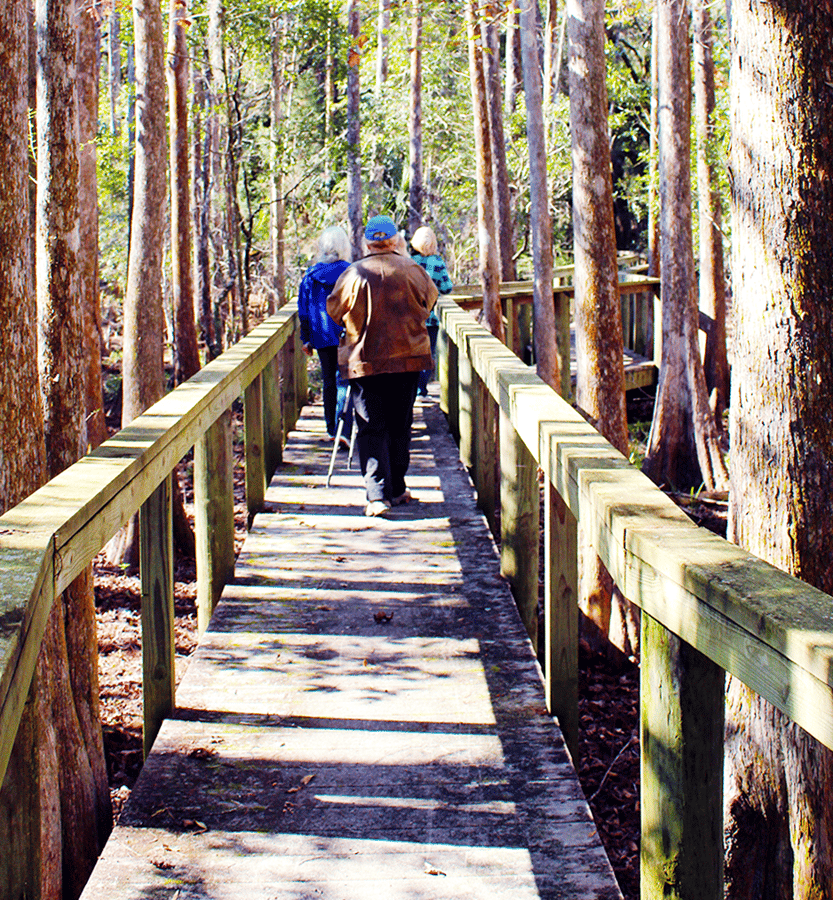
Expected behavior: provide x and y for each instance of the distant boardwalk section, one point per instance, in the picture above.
(364, 718)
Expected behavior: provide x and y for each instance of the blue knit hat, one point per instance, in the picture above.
(379, 228)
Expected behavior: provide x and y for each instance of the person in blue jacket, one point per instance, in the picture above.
(424, 251)
(318, 331)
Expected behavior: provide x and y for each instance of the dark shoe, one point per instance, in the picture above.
(405, 497)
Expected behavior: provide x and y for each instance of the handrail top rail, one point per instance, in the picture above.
(762, 625)
(48, 538)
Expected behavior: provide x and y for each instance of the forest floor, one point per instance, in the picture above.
(608, 766)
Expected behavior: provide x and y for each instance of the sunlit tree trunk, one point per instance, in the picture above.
(653, 163)
(550, 52)
(600, 378)
(29, 834)
(70, 641)
(504, 229)
(383, 32)
(201, 157)
(114, 66)
(780, 780)
(489, 265)
(354, 159)
(684, 447)
(415, 188)
(712, 280)
(513, 78)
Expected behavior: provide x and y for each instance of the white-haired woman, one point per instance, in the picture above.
(424, 251)
(318, 331)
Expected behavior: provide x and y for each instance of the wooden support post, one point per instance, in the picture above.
(512, 337)
(213, 516)
(485, 457)
(657, 302)
(301, 385)
(643, 341)
(524, 330)
(626, 301)
(288, 387)
(561, 299)
(682, 699)
(442, 367)
(466, 402)
(453, 390)
(520, 505)
(272, 417)
(255, 461)
(156, 570)
(561, 616)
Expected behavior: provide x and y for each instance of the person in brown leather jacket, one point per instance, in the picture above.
(383, 300)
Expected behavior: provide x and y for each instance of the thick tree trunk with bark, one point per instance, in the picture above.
(382, 31)
(600, 380)
(684, 446)
(186, 356)
(489, 266)
(354, 156)
(712, 280)
(29, 821)
(114, 66)
(415, 188)
(504, 229)
(780, 780)
(513, 77)
(552, 338)
(203, 131)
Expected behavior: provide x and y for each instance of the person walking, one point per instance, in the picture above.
(425, 252)
(318, 331)
(382, 301)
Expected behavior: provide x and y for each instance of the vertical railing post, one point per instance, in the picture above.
(657, 324)
(466, 401)
(519, 523)
(255, 457)
(681, 721)
(272, 416)
(213, 515)
(156, 568)
(301, 386)
(485, 456)
(561, 616)
(442, 367)
(561, 301)
(289, 387)
(453, 391)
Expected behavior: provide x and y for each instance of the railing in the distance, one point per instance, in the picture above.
(49, 538)
(708, 607)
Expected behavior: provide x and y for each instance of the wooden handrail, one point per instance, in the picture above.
(49, 538)
(729, 611)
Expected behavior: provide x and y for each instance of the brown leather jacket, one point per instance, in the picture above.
(383, 301)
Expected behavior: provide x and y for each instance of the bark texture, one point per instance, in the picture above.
(684, 448)
(489, 265)
(778, 778)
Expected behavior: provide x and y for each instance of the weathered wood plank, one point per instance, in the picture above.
(273, 416)
(156, 566)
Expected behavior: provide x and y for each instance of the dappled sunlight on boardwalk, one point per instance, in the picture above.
(364, 717)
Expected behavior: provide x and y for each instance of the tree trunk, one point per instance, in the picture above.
(489, 266)
(778, 778)
(187, 357)
(85, 812)
(354, 157)
(503, 202)
(550, 52)
(684, 447)
(29, 819)
(712, 281)
(513, 78)
(278, 206)
(89, 43)
(653, 166)
(382, 30)
(600, 377)
(202, 210)
(415, 189)
(114, 66)
(552, 339)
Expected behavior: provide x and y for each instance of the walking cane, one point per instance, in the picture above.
(337, 439)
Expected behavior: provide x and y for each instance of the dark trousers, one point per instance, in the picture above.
(384, 409)
(329, 387)
(426, 376)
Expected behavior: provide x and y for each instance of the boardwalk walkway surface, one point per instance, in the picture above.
(364, 717)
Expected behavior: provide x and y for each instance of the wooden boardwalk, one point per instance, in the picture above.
(364, 717)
